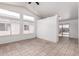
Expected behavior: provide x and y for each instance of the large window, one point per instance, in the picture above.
(29, 18)
(9, 27)
(7, 13)
(28, 27)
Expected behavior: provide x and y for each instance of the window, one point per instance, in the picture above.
(9, 27)
(28, 28)
(4, 29)
(15, 28)
(7, 13)
(29, 18)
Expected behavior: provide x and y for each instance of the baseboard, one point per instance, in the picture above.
(15, 41)
(48, 40)
(67, 37)
(73, 38)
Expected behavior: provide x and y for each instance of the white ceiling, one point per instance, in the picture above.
(66, 10)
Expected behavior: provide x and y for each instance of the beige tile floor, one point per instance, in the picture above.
(40, 47)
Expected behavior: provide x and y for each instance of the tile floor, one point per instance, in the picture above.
(40, 47)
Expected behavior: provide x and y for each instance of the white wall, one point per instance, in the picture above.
(12, 38)
(48, 29)
(78, 25)
(73, 27)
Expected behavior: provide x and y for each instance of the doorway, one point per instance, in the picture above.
(64, 30)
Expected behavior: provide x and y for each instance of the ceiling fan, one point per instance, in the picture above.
(35, 2)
